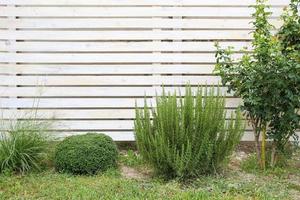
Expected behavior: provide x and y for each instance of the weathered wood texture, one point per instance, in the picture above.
(85, 63)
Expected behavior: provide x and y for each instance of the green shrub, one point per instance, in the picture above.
(85, 154)
(23, 146)
(187, 137)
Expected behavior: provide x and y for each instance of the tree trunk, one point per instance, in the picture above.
(256, 131)
(257, 147)
(273, 155)
(263, 149)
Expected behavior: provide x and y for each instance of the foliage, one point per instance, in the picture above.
(289, 33)
(287, 119)
(85, 154)
(282, 169)
(23, 145)
(249, 165)
(268, 81)
(189, 137)
(131, 159)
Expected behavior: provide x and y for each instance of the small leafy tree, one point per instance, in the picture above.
(268, 81)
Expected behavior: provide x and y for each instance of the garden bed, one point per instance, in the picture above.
(137, 183)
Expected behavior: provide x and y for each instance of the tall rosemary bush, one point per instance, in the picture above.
(187, 136)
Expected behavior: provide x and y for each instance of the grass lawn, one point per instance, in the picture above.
(114, 184)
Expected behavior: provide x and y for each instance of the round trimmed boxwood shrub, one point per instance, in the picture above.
(86, 154)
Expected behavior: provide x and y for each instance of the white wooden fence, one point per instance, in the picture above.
(84, 63)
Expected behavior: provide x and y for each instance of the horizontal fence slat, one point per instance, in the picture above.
(127, 35)
(107, 80)
(140, 2)
(85, 102)
(57, 114)
(118, 46)
(116, 136)
(68, 113)
(94, 91)
(129, 135)
(106, 69)
(64, 125)
(132, 11)
(109, 57)
(42, 23)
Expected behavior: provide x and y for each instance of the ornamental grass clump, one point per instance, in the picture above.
(187, 136)
(23, 145)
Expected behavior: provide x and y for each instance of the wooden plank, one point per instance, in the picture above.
(132, 11)
(110, 57)
(99, 69)
(75, 23)
(139, 3)
(107, 80)
(103, 125)
(68, 113)
(122, 126)
(93, 91)
(129, 135)
(93, 125)
(201, 46)
(85, 102)
(127, 35)
(115, 135)
(57, 114)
